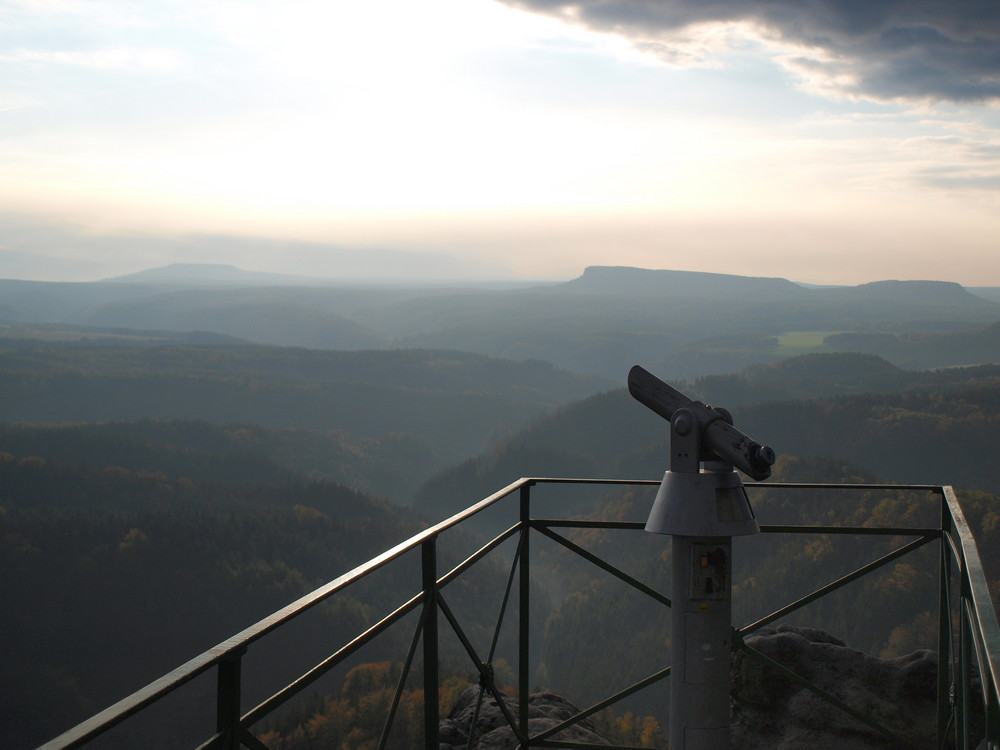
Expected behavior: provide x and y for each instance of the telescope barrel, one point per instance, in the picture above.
(654, 394)
(717, 435)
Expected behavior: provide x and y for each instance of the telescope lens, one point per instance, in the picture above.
(765, 455)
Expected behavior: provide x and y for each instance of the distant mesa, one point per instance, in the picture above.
(647, 282)
(625, 280)
(212, 274)
(937, 291)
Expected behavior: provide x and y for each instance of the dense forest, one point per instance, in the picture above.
(906, 426)
(161, 484)
(412, 408)
(85, 549)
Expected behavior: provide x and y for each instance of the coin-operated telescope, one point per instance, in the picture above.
(701, 503)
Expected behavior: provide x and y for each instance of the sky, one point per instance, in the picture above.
(829, 142)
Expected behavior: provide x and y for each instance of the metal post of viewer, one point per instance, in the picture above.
(702, 505)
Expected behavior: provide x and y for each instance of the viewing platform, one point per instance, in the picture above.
(232, 695)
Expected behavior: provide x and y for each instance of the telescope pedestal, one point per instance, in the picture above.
(701, 615)
(702, 510)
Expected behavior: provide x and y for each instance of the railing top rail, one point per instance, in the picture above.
(585, 480)
(939, 489)
(979, 590)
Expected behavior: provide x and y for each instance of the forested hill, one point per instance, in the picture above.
(438, 407)
(922, 350)
(683, 324)
(937, 427)
(390, 466)
(440, 370)
(112, 577)
(180, 275)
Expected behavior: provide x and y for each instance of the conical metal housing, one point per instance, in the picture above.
(708, 503)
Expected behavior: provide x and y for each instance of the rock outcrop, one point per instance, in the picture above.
(545, 710)
(772, 711)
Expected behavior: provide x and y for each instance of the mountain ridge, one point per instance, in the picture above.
(685, 323)
(211, 274)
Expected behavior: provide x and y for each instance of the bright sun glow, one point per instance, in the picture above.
(419, 124)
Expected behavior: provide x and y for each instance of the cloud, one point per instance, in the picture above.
(121, 58)
(956, 179)
(48, 250)
(959, 164)
(913, 50)
(105, 15)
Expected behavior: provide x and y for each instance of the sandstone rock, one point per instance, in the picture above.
(771, 711)
(545, 710)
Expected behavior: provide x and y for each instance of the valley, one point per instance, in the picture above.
(233, 445)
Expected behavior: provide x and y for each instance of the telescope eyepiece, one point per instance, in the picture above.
(764, 455)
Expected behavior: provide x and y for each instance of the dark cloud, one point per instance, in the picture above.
(884, 49)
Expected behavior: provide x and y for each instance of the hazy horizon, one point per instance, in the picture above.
(233, 274)
(461, 140)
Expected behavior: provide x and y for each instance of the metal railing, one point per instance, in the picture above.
(968, 636)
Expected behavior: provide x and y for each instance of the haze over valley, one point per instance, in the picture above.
(198, 423)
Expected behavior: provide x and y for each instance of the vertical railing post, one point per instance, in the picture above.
(991, 708)
(946, 655)
(946, 645)
(432, 713)
(227, 712)
(964, 662)
(524, 621)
